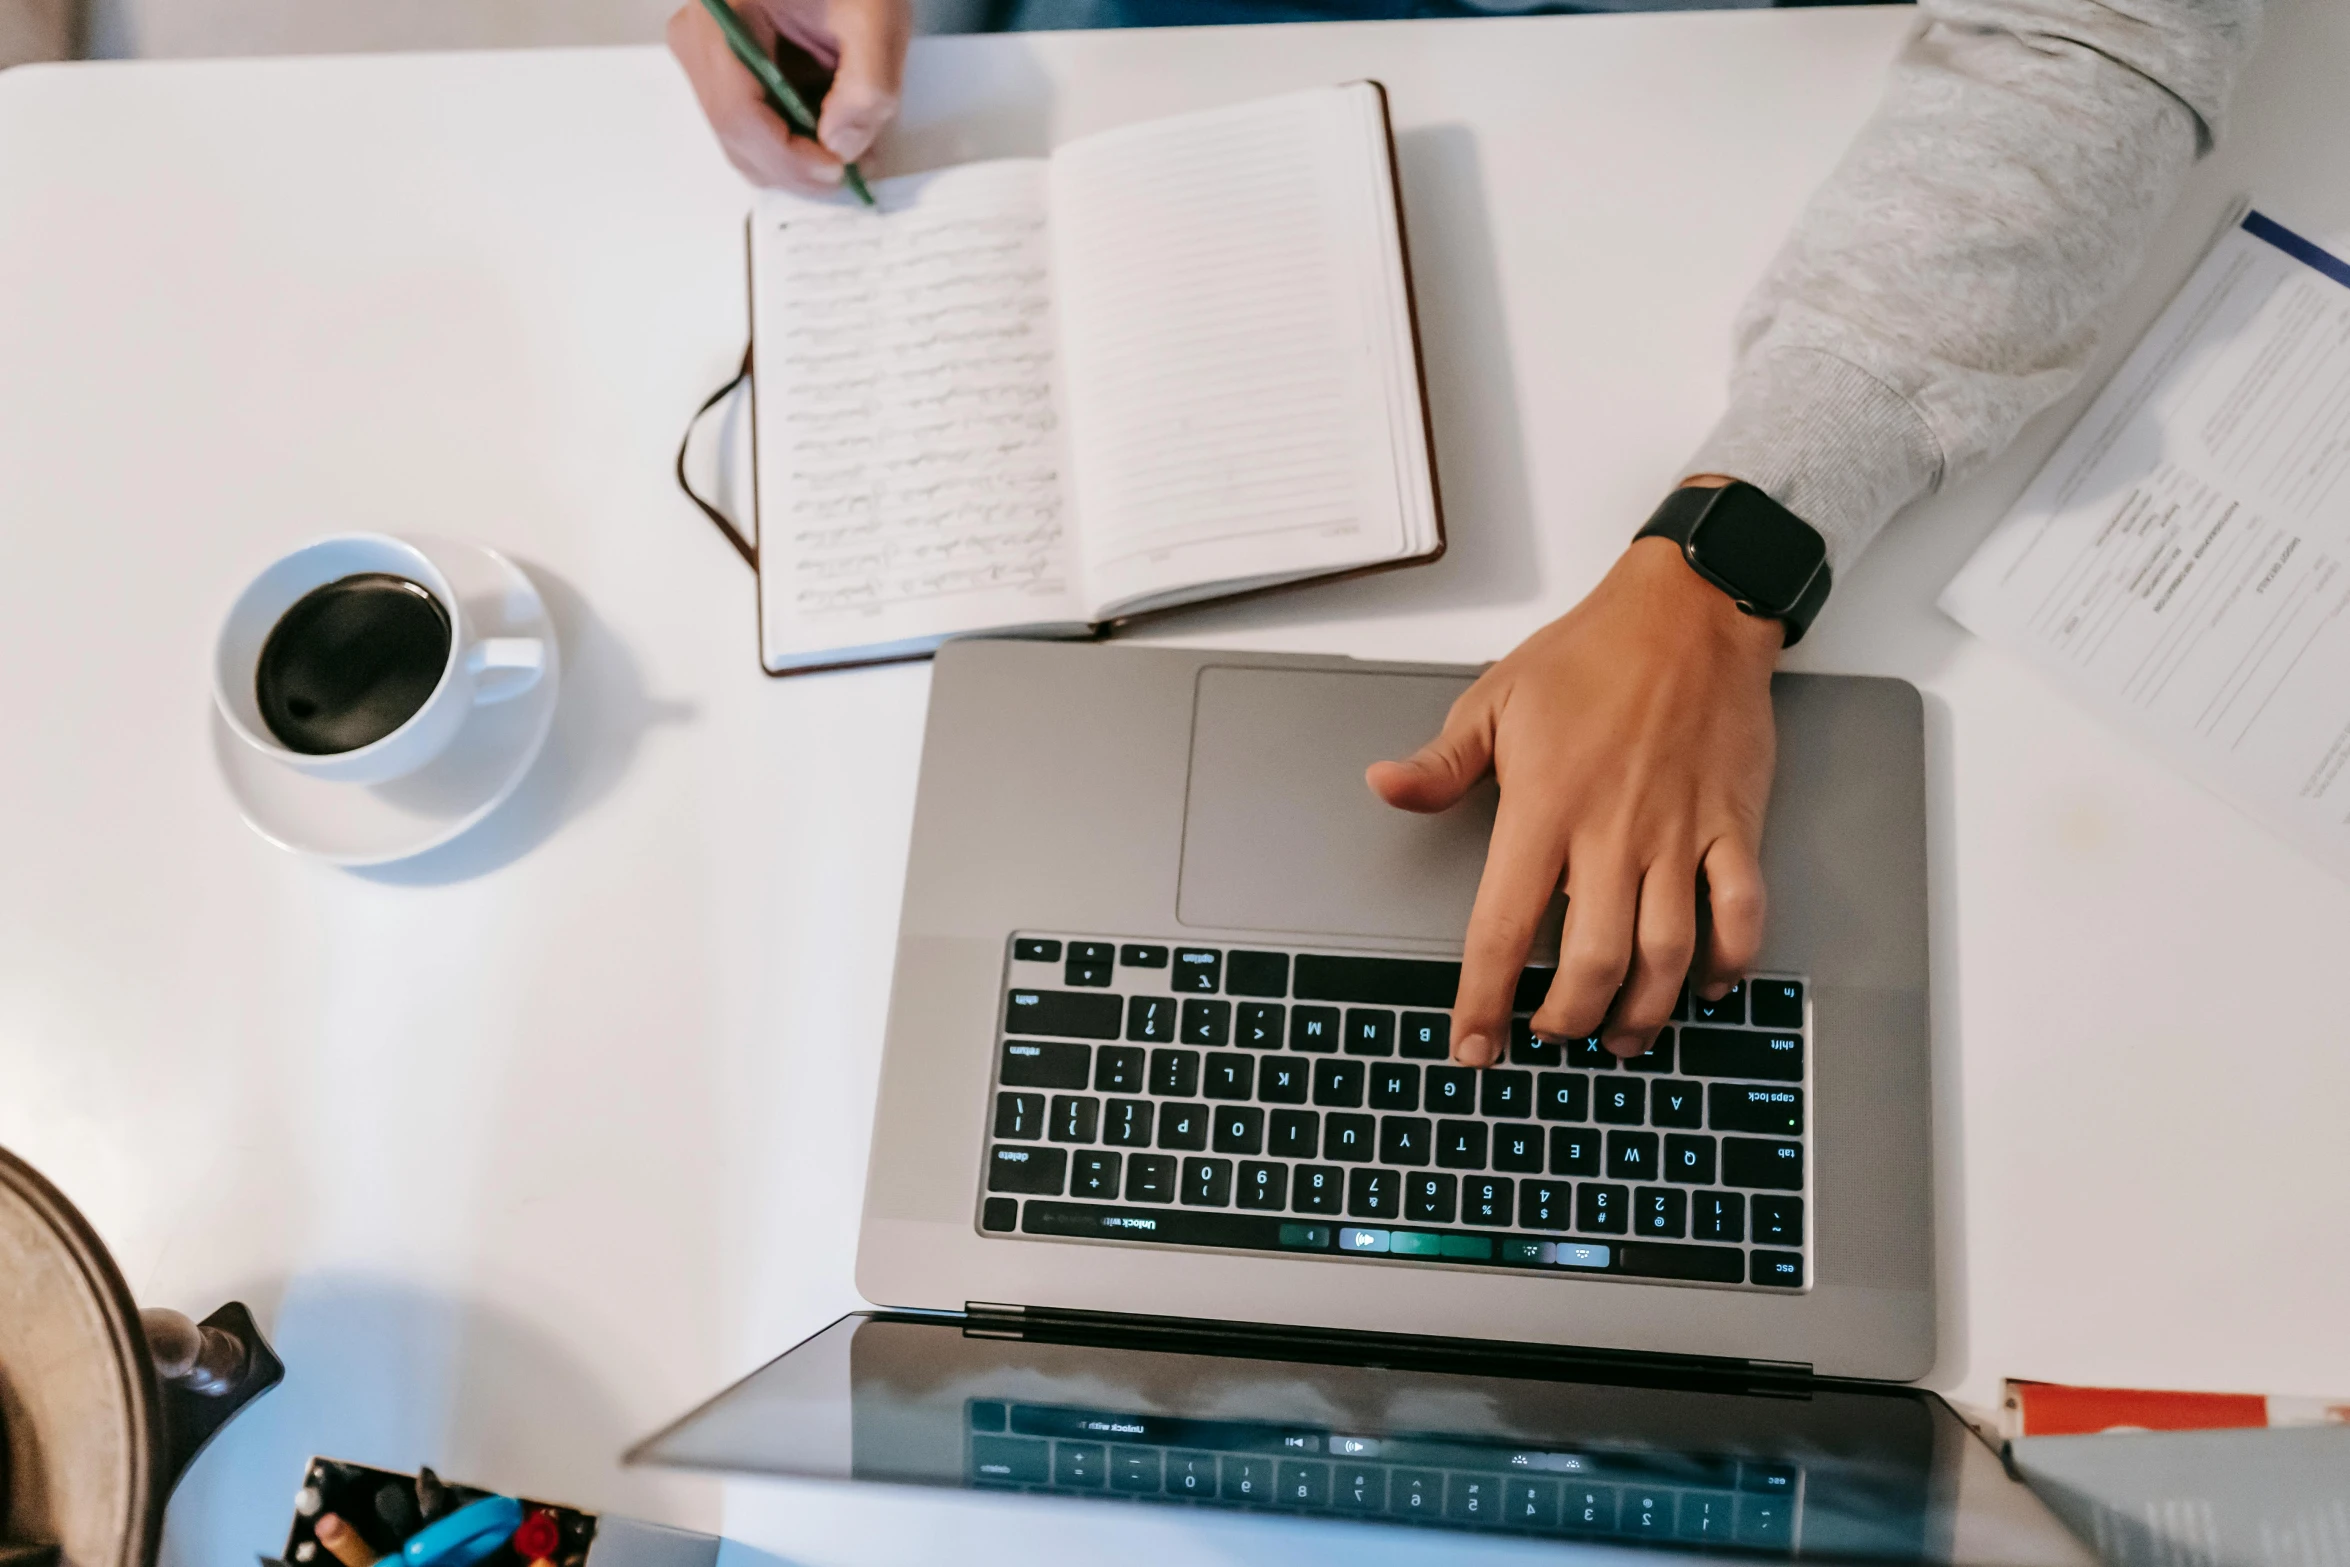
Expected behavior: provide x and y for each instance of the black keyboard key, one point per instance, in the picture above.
(1150, 1177)
(1295, 1134)
(1076, 1117)
(1517, 1147)
(1631, 1156)
(1118, 1069)
(1395, 1087)
(1705, 1516)
(1374, 1194)
(1783, 1268)
(1128, 1124)
(1530, 1504)
(1601, 1209)
(1506, 1096)
(1064, 1014)
(1486, 1200)
(1528, 1050)
(1036, 949)
(1689, 1160)
(1620, 1101)
(1545, 1205)
(1415, 1493)
(1175, 1072)
(1724, 1052)
(1080, 1466)
(1300, 1484)
(1386, 982)
(1076, 973)
(1207, 1183)
(1426, 1036)
(1657, 1058)
(1736, 1107)
(1360, 1488)
(1660, 1212)
(1256, 974)
(1676, 1102)
(1317, 1188)
(1590, 1507)
(1183, 1127)
(1460, 1145)
(1032, 1063)
(999, 1213)
(1264, 1185)
(1150, 1019)
(1562, 1096)
(1533, 989)
(1778, 1221)
(1259, 1025)
(1717, 1216)
(1313, 1028)
(1573, 1151)
(1231, 1077)
(1283, 1082)
(1240, 1129)
(1471, 1498)
(1092, 952)
(1730, 1009)
(1353, 1138)
(1431, 1199)
(1191, 1474)
(1199, 969)
(1032, 1172)
(1751, 1161)
(1011, 1460)
(1339, 1083)
(1019, 1116)
(1590, 1055)
(1776, 1003)
(1207, 1022)
(1248, 1480)
(1369, 1032)
(1137, 955)
(1404, 1139)
(1452, 1090)
(1701, 1264)
(1095, 1174)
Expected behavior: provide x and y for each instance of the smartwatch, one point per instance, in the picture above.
(1772, 563)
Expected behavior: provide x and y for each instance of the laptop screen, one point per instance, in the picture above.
(1658, 1457)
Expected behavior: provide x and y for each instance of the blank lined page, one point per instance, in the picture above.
(910, 455)
(1231, 344)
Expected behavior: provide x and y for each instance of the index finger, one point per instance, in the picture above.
(753, 136)
(1523, 862)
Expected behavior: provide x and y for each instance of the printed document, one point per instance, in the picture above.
(2182, 563)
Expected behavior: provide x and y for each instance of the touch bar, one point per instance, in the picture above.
(1398, 982)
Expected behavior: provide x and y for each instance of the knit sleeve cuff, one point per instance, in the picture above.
(1828, 441)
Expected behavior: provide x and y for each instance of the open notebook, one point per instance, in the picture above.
(1170, 363)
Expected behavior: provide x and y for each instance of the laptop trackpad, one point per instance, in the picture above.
(1281, 833)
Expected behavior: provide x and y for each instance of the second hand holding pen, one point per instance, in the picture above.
(780, 92)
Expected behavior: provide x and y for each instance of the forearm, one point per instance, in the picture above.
(1950, 279)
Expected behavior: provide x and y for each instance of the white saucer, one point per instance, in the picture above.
(360, 824)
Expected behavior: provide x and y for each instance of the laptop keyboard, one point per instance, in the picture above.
(1628, 1496)
(1301, 1100)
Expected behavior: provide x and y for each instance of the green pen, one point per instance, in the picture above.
(780, 93)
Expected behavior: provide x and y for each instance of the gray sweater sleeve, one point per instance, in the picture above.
(1949, 280)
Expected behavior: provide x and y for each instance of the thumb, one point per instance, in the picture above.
(1440, 772)
(865, 85)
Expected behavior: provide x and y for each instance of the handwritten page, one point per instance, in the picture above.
(1231, 343)
(911, 461)
(2182, 563)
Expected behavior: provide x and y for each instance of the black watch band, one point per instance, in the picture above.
(1772, 563)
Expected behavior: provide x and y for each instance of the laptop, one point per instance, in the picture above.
(1175, 1194)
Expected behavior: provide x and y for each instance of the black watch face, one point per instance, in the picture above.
(1757, 548)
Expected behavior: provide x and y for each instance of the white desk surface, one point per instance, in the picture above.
(523, 1150)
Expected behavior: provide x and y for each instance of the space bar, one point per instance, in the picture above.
(1397, 982)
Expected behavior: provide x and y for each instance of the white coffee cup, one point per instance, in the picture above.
(479, 670)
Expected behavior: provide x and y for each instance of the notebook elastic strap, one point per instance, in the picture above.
(734, 535)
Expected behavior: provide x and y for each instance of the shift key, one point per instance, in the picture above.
(1046, 1063)
(1739, 1052)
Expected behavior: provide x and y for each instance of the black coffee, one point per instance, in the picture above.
(351, 662)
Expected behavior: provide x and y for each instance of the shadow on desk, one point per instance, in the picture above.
(382, 1373)
(601, 718)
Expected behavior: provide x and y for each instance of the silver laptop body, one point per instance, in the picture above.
(1204, 808)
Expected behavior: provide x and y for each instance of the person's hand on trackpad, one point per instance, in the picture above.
(1633, 745)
